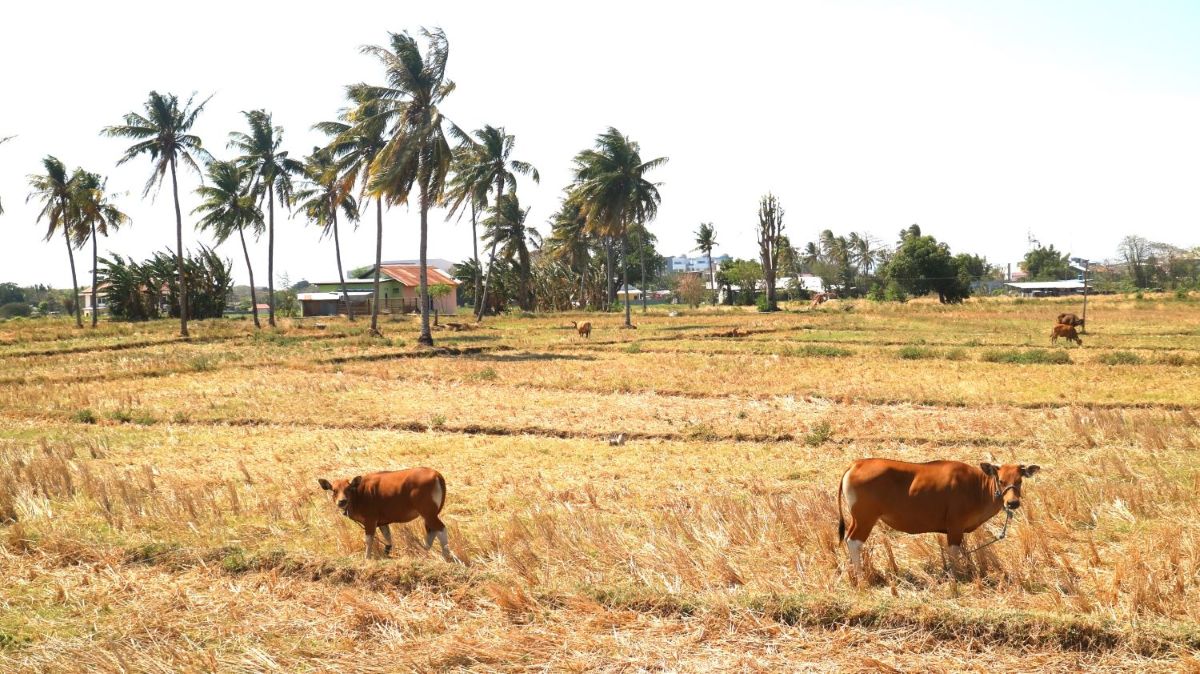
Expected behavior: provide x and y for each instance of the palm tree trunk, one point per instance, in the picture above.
(271, 256)
(610, 294)
(250, 270)
(625, 277)
(337, 249)
(475, 254)
(712, 275)
(583, 287)
(378, 263)
(426, 337)
(487, 281)
(642, 260)
(74, 281)
(95, 290)
(183, 287)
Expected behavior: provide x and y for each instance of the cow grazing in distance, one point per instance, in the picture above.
(818, 300)
(1071, 320)
(584, 329)
(945, 497)
(376, 500)
(1066, 331)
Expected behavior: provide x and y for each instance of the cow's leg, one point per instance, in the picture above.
(368, 540)
(387, 539)
(856, 535)
(436, 529)
(954, 550)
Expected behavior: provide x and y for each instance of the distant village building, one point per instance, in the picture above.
(683, 263)
(398, 290)
(1047, 288)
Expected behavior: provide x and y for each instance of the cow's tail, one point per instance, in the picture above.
(442, 484)
(841, 516)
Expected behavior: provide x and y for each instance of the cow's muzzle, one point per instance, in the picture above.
(1013, 504)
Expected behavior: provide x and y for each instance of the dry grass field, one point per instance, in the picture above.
(159, 509)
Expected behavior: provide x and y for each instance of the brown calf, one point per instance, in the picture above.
(376, 500)
(1071, 320)
(585, 329)
(945, 497)
(1067, 331)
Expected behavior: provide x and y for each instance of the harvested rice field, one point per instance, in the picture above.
(160, 508)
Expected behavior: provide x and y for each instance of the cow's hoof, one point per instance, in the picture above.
(387, 551)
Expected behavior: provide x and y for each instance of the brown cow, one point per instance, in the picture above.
(818, 299)
(585, 329)
(1067, 331)
(946, 497)
(393, 497)
(1071, 320)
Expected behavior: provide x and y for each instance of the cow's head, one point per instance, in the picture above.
(341, 491)
(1008, 481)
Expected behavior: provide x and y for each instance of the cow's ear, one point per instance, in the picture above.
(988, 469)
(1030, 471)
(356, 481)
(324, 483)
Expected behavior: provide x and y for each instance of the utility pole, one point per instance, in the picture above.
(1086, 263)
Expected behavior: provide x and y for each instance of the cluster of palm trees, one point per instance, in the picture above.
(390, 141)
(843, 259)
(76, 204)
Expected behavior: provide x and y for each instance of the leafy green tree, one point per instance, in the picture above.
(162, 134)
(355, 143)
(417, 153)
(11, 292)
(228, 206)
(93, 216)
(329, 193)
(1047, 264)
(922, 265)
(745, 274)
(483, 161)
(54, 190)
(612, 191)
(272, 170)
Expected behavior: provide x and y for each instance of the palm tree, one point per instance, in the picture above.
(706, 241)
(485, 162)
(53, 189)
(417, 152)
(92, 216)
(272, 170)
(320, 202)
(611, 188)
(506, 228)
(162, 133)
(355, 143)
(229, 206)
(569, 242)
(866, 255)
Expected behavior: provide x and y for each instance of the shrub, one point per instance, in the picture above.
(819, 434)
(1121, 358)
(1030, 357)
(14, 309)
(486, 374)
(915, 353)
(203, 363)
(955, 354)
(84, 416)
(1176, 359)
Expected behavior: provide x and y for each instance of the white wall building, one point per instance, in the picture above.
(682, 263)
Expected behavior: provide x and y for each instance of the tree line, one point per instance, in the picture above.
(390, 144)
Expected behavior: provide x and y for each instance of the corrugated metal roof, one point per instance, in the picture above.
(409, 274)
(1048, 285)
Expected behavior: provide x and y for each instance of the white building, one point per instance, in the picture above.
(682, 263)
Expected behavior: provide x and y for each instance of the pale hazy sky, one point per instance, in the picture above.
(981, 121)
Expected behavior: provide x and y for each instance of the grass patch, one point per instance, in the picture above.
(818, 434)
(486, 374)
(818, 351)
(1027, 357)
(1121, 358)
(915, 353)
(84, 416)
(203, 363)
